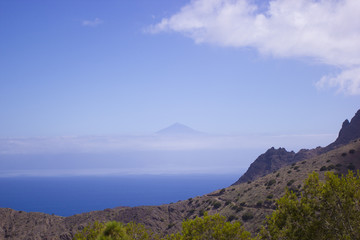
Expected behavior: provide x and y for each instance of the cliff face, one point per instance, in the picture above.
(348, 132)
(274, 159)
(267, 162)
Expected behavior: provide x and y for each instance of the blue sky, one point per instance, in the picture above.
(134, 67)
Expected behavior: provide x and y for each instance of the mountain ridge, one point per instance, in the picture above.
(274, 159)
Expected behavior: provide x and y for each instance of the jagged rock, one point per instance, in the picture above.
(273, 159)
(348, 132)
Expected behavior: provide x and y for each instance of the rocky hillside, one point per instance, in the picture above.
(349, 131)
(274, 159)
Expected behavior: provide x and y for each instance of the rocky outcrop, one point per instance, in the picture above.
(267, 162)
(348, 132)
(274, 159)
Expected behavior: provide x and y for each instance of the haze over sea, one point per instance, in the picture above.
(71, 175)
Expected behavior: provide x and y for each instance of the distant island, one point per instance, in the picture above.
(178, 129)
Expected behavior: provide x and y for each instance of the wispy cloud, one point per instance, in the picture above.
(326, 31)
(92, 23)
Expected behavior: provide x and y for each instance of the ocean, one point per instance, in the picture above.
(66, 196)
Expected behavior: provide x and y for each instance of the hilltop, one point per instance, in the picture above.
(249, 201)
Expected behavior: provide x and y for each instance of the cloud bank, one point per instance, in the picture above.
(108, 144)
(326, 31)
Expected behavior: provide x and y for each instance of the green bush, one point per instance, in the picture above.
(114, 231)
(327, 210)
(210, 227)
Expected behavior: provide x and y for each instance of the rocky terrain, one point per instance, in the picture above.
(274, 159)
(249, 200)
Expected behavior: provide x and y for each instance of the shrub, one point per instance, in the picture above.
(90, 232)
(270, 182)
(323, 168)
(344, 154)
(259, 204)
(222, 191)
(170, 225)
(270, 196)
(318, 214)
(247, 216)
(290, 182)
(217, 205)
(352, 151)
(231, 217)
(210, 227)
(330, 167)
(201, 212)
(114, 231)
(239, 209)
(351, 166)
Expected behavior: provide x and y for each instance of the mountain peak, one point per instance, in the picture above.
(178, 129)
(350, 130)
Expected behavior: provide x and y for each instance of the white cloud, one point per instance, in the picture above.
(92, 23)
(327, 31)
(347, 81)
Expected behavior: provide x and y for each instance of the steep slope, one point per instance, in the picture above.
(267, 162)
(274, 159)
(348, 132)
